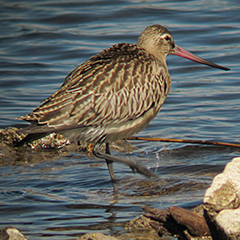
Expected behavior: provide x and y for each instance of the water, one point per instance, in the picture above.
(42, 41)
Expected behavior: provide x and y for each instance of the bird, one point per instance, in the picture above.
(111, 96)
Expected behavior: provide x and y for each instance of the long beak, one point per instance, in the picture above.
(185, 54)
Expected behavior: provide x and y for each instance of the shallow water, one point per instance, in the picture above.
(42, 41)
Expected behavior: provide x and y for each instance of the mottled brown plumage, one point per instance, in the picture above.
(113, 94)
(107, 98)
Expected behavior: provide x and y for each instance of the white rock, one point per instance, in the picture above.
(229, 220)
(229, 183)
(224, 198)
(11, 233)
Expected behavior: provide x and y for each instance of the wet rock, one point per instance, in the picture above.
(148, 188)
(139, 224)
(142, 228)
(162, 221)
(8, 155)
(160, 215)
(10, 135)
(11, 233)
(50, 147)
(222, 202)
(194, 222)
(176, 221)
(97, 236)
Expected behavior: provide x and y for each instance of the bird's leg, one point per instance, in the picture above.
(109, 162)
(111, 170)
(133, 164)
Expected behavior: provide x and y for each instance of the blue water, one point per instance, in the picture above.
(42, 41)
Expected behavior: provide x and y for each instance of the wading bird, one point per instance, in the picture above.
(111, 96)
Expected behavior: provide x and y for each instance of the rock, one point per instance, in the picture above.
(222, 201)
(10, 135)
(194, 222)
(160, 215)
(11, 233)
(51, 146)
(229, 220)
(8, 155)
(97, 236)
(224, 192)
(176, 221)
(139, 224)
(143, 228)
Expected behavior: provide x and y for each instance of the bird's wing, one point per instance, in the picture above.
(112, 87)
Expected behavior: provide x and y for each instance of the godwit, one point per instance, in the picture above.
(111, 96)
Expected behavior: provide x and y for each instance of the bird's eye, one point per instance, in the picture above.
(167, 38)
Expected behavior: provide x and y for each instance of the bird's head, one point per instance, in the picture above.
(158, 41)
